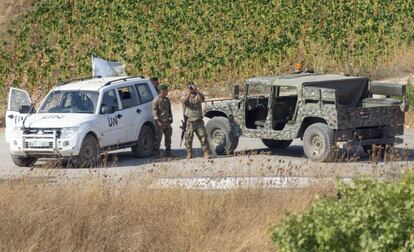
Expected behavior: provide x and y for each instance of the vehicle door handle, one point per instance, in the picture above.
(11, 116)
(138, 110)
(119, 116)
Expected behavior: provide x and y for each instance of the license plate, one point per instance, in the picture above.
(39, 144)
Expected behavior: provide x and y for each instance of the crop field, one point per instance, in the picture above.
(211, 42)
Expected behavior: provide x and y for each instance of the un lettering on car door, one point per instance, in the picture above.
(112, 121)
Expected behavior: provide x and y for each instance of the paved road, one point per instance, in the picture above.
(252, 163)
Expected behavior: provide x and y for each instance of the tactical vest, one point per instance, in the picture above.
(164, 108)
(193, 110)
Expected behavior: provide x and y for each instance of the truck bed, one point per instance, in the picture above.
(371, 116)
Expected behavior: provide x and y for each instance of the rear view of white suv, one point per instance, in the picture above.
(81, 119)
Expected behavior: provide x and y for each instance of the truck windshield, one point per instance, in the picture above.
(259, 90)
(70, 102)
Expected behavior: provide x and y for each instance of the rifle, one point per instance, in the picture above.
(183, 128)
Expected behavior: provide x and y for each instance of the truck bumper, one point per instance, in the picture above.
(381, 141)
(46, 146)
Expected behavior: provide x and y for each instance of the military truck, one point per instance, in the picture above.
(326, 111)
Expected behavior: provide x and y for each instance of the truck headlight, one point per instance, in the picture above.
(68, 132)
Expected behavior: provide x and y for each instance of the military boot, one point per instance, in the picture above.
(168, 153)
(157, 154)
(189, 154)
(206, 153)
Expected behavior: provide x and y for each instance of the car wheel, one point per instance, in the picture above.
(23, 161)
(221, 136)
(318, 142)
(145, 143)
(276, 144)
(88, 153)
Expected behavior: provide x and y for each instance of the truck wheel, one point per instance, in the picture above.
(23, 161)
(88, 153)
(145, 143)
(221, 137)
(318, 142)
(276, 144)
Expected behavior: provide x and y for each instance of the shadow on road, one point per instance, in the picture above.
(121, 158)
(395, 154)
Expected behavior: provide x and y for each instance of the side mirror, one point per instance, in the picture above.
(236, 91)
(26, 109)
(107, 110)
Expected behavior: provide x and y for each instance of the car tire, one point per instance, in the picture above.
(145, 143)
(221, 137)
(318, 142)
(88, 153)
(23, 161)
(276, 144)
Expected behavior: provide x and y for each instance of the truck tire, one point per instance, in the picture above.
(88, 153)
(276, 144)
(318, 142)
(23, 161)
(221, 136)
(145, 143)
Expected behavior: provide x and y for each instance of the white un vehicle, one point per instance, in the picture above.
(80, 119)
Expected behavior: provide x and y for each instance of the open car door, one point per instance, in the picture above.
(18, 106)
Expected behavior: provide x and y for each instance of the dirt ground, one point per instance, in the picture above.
(252, 163)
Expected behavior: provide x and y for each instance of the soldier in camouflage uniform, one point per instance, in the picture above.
(161, 110)
(193, 112)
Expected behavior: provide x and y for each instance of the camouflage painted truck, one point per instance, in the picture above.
(325, 111)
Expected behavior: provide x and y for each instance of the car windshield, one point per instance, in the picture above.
(70, 102)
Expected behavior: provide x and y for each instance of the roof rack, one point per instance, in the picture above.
(79, 79)
(123, 79)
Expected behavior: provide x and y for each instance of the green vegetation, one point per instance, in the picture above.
(207, 41)
(368, 216)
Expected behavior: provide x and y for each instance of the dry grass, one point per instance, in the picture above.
(10, 9)
(46, 217)
(401, 64)
(409, 118)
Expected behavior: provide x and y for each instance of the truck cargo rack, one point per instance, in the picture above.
(123, 79)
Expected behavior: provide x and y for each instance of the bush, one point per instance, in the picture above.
(369, 215)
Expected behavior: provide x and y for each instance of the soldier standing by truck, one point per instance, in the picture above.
(194, 115)
(161, 110)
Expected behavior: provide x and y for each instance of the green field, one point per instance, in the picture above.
(211, 42)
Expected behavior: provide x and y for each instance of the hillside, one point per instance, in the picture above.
(207, 41)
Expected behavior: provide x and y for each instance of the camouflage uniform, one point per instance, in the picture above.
(161, 110)
(195, 124)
